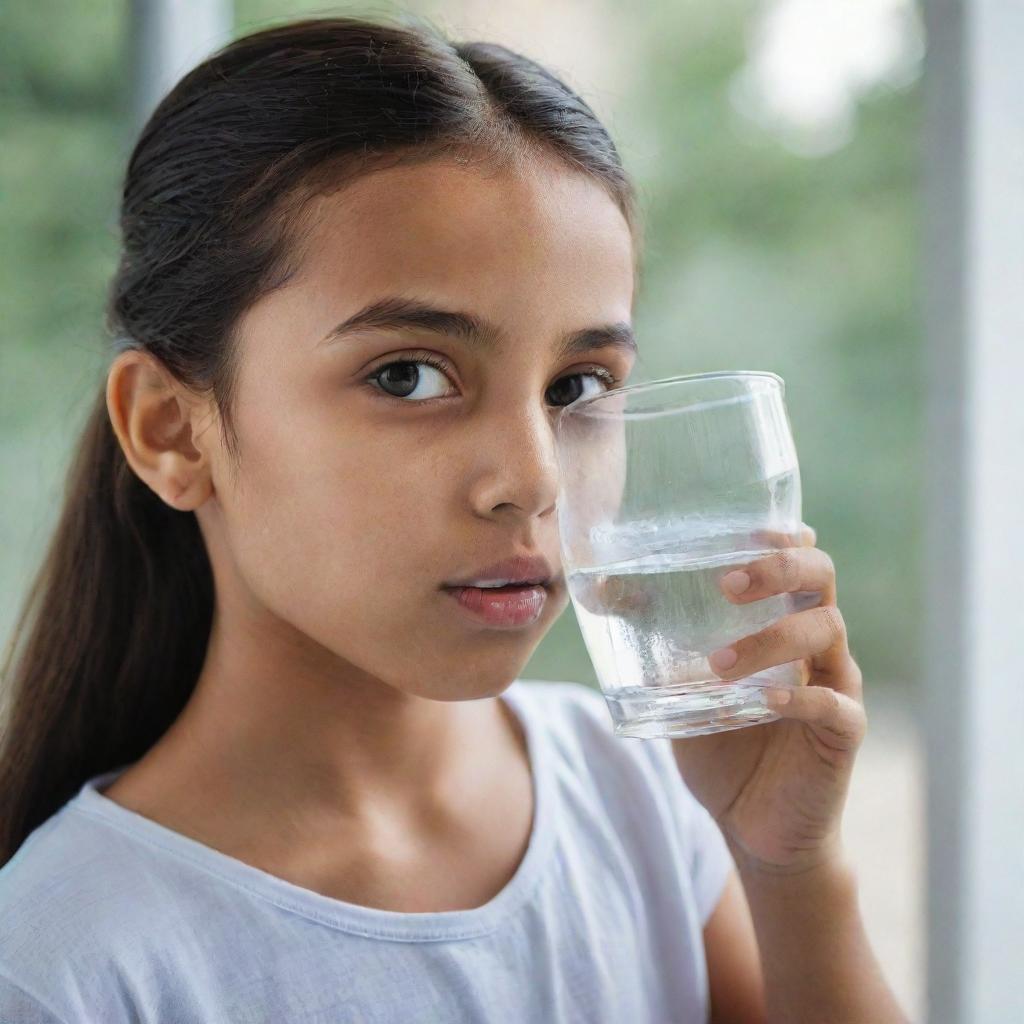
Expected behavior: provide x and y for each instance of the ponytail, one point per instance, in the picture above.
(110, 640)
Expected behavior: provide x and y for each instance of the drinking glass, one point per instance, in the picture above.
(664, 487)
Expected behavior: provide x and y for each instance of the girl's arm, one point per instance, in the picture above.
(735, 981)
(777, 792)
(816, 963)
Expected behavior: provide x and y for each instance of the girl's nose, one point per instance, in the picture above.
(516, 465)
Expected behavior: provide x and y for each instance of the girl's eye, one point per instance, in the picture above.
(607, 378)
(404, 376)
(401, 379)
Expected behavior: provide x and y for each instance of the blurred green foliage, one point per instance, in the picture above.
(756, 259)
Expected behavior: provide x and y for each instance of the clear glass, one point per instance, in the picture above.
(665, 486)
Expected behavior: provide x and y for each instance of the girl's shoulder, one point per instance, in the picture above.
(633, 784)
(73, 894)
(564, 707)
(577, 729)
(575, 716)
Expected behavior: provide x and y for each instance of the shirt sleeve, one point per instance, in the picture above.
(18, 1007)
(709, 857)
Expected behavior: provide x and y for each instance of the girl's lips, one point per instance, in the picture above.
(504, 607)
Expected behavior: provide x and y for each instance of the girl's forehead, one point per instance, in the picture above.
(539, 255)
(445, 215)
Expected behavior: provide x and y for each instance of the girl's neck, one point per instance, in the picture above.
(456, 853)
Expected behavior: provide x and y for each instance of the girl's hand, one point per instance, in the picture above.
(777, 790)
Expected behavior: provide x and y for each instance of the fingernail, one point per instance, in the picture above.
(724, 659)
(778, 697)
(736, 582)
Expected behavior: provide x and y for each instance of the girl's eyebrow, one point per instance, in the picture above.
(398, 313)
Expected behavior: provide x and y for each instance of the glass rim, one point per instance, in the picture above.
(643, 385)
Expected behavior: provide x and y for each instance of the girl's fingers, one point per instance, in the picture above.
(838, 720)
(787, 570)
(612, 595)
(818, 634)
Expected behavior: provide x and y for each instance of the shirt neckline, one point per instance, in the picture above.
(369, 922)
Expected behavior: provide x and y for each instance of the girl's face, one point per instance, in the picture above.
(364, 490)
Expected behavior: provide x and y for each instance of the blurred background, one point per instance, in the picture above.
(776, 146)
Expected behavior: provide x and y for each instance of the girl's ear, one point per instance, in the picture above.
(156, 420)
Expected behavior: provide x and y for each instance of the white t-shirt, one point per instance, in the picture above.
(107, 917)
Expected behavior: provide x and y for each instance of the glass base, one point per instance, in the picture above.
(653, 712)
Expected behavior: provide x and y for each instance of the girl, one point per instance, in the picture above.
(261, 762)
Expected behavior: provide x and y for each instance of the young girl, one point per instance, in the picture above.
(262, 763)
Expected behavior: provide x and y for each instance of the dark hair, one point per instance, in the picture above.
(114, 629)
